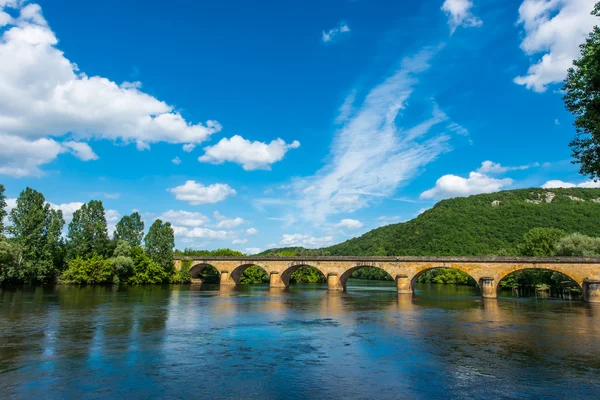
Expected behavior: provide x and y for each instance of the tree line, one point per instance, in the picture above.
(34, 250)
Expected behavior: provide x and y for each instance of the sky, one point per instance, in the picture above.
(254, 125)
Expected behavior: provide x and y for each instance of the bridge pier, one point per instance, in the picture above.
(403, 284)
(226, 279)
(333, 282)
(591, 291)
(488, 288)
(275, 280)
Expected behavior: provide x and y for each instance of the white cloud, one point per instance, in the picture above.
(349, 224)
(112, 217)
(393, 218)
(288, 220)
(43, 94)
(239, 241)
(561, 184)
(81, 150)
(253, 250)
(20, 157)
(335, 33)
(188, 148)
(230, 223)
(184, 218)
(176, 161)
(371, 157)
(195, 193)
(555, 28)
(452, 186)
(346, 108)
(297, 239)
(490, 167)
(459, 14)
(251, 231)
(181, 231)
(250, 155)
(67, 209)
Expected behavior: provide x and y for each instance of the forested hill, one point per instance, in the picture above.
(485, 224)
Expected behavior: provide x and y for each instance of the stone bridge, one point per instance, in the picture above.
(486, 271)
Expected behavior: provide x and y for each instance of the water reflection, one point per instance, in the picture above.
(301, 342)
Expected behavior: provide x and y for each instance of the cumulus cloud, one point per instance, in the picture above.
(68, 209)
(459, 14)
(253, 250)
(555, 29)
(81, 150)
(196, 193)
(198, 232)
(43, 94)
(176, 161)
(335, 33)
(371, 156)
(250, 155)
(452, 186)
(490, 167)
(349, 224)
(239, 241)
(561, 184)
(230, 223)
(188, 148)
(297, 239)
(251, 231)
(184, 218)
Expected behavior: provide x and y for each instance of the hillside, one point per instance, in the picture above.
(483, 224)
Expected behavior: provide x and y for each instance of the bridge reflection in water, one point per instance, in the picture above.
(486, 271)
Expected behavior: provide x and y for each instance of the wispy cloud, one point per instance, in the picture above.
(334, 33)
(371, 156)
(459, 14)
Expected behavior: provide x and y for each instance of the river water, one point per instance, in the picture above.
(301, 343)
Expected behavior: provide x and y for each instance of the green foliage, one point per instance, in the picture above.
(578, 245)
(582, 98)
(371, 273)
(130, 229)
(253, 275)
(122, 262)
(9, 254)
(530, 281)
(146, 270)
(183, 275)
(209, 253)
(88, 233)
(446, 276)
(540, 242)
(159, 244)
(94, 269)
(307, 275)
(35, 230)
(3, 212)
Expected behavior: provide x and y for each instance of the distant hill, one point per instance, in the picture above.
(485, 224)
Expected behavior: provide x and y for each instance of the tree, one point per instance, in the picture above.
(582, 98)
(30, 226)
(130, 229)
(3, 212)
(540, 242)
(578, 245)
(159, 244)
(146, 270)
(93, 269)
(122, 262)
(88, 233)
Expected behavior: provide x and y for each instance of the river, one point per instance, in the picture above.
(301, 343)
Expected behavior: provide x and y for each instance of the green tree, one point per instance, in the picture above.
(159, 244)
(582, 98)
(3, 212)
(55, 244)
(30, 221)
(122, 262)
(146, 270)
(540, 242)
(578, 245)
(88, 233)
(130, 229)
(92, 269)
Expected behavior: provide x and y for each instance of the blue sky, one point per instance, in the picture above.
(263, 124)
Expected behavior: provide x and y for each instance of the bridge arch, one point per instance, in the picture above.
(196, 269)
(287, 273)
(343, 279)
(579, 281)
(434, 267)
(238, 271)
